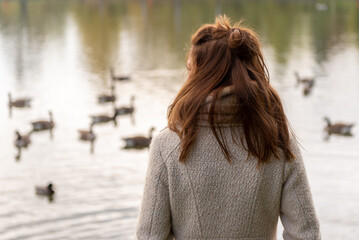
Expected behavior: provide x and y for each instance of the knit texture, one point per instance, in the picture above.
(209, 198)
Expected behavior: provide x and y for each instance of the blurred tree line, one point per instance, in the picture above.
(150, 25)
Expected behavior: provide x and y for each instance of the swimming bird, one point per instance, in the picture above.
(338, 128)
(306, 80)
(19, 103)
(104, 98)
(138, 142)
(45, 190)
(307, 89)
(124, 110)
(88, 135)
(118, 77)
(43, 124)
(97, 119)
(22, 141)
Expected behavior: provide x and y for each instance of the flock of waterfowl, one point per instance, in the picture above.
(88, 135)
(338, 128)
(137, 142)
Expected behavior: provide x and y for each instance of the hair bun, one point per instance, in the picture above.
(239, 41)
(235, 38)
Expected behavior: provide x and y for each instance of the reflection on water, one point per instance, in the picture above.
(59, 54)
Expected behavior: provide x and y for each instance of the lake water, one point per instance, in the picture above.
(59, 54)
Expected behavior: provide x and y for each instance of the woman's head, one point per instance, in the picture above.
(222, 55)
(215, 46)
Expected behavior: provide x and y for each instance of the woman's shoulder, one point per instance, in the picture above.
(165, 141)
(166, 135)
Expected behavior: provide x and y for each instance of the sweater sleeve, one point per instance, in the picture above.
(154, 221)
(297, 210)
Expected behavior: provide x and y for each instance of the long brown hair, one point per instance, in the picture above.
(222, 56)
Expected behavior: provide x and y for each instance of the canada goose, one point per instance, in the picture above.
(307, 89)
(306, 80)
(127, 110)
(338, 128)
(43, 124)
(45, 190)
(104, 98)
(118, 78)
(22, 141)
(139, 142)
(88, 135)
(97, 119)
(19, 103)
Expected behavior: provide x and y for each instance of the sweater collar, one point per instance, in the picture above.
(225, 111)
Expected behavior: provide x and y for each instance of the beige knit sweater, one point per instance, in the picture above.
(210, 198)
